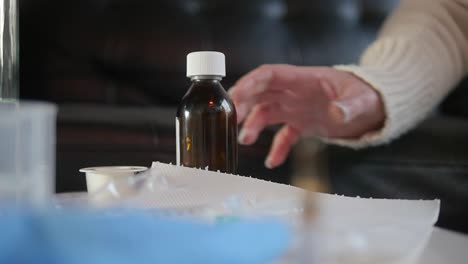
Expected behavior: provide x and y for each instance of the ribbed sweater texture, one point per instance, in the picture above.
(419, 56)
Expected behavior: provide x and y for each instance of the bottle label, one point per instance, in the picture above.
(177, 141)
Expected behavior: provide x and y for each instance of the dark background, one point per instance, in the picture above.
(116, 68)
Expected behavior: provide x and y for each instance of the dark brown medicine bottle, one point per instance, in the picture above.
(206, 121)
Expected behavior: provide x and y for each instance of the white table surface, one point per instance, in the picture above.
(446, 247)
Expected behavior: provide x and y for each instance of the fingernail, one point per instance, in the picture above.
(266, 75)
(249, 83)
(257, 86)
(242, 139)
(344, 110)
(268, 163)
(241, 111)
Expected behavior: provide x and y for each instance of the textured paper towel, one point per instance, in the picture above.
(187, 188)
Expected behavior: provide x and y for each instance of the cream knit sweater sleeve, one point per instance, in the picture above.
(420, 54)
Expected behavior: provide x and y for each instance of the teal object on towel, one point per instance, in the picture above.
(116, 237)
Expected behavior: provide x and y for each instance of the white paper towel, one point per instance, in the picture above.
(188, 187)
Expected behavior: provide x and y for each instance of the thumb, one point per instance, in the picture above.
(353, 107)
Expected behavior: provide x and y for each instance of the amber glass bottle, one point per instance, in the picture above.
(206, 122)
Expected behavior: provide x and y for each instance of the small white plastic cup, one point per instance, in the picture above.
(98, 177)
(27, 152)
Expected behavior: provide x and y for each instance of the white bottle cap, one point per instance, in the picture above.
(206, 63)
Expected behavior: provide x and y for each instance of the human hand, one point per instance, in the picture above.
(309, 101)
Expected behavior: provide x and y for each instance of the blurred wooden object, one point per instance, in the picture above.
(309, 166)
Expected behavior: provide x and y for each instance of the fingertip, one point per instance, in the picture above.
(248, 83)
(232, 92)
(241, 137)
(265, 72)
(268, 164)
(281, 146)
(241, 111)
(246, 137)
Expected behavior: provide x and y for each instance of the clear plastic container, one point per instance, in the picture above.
(27, 152)
(9, 59)
(98, 177)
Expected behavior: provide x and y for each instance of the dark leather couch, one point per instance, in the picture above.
(117, 67)
(117, 70)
